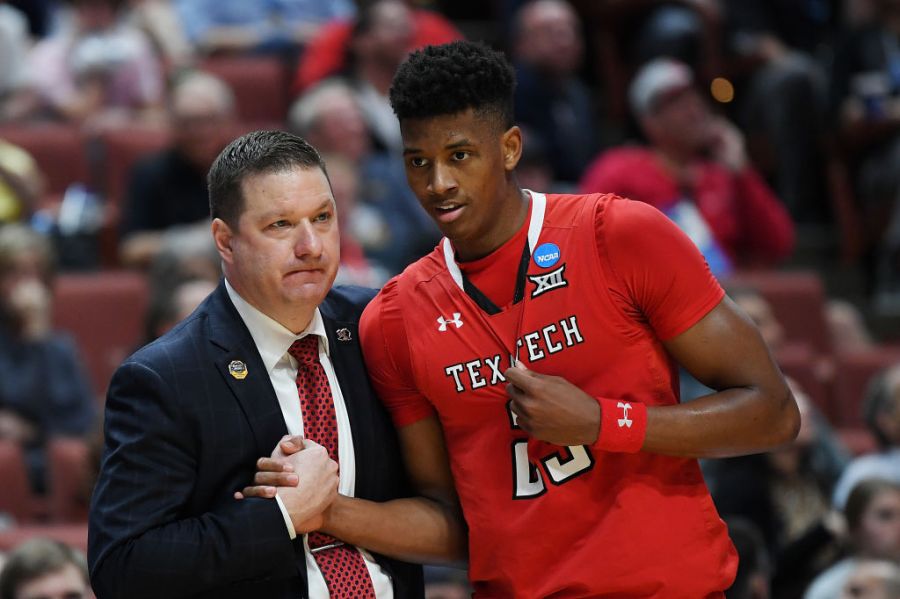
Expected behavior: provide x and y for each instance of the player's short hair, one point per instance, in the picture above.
(256, 153)
(451, 78)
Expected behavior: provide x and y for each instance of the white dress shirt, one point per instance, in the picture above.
(272, 340)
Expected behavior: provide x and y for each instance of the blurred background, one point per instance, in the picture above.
(769, 131)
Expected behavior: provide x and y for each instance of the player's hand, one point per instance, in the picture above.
(552, 409)
(274, 471)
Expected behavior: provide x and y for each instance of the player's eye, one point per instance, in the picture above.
(460, 155)
(417, 162)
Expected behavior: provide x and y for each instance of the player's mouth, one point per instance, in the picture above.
(447, 212)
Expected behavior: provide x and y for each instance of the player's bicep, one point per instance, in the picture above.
(425, 453)
(725, 350)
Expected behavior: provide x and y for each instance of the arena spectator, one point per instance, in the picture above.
(695, 169)
(35, 407)
(258, 26)
(326, 52)
(168, 189)
(97, 70)
(547, 51)
(44, 569)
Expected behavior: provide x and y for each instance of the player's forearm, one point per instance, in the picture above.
(413, 529)
(732, 422)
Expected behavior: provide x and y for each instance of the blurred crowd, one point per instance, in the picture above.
(769, 131)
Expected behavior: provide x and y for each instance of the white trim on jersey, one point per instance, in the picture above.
(538, 207)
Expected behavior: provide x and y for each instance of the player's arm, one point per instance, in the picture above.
(425, 529)
(428, 528)
(753, 409)
(664, 277)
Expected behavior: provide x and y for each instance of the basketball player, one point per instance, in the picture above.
(537, 346)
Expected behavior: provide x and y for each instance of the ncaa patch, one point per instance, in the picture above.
(546, 255)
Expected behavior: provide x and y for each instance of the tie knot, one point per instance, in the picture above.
(305, 350)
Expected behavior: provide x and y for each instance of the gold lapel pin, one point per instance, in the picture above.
(237, 369)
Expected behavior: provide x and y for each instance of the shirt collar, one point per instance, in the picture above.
(272, 339)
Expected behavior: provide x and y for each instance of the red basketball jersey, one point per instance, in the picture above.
(607, 280)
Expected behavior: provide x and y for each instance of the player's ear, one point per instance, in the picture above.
(511, 146)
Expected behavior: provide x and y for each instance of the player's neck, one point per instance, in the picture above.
(508, 219)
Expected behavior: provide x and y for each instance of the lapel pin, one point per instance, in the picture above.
(344, 335)
(237, 369)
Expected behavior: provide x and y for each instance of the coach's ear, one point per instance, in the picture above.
(511, 146)
(223, 235)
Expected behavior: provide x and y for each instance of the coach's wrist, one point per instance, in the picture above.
(623, 426)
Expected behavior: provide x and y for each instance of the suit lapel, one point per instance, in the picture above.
(346, 358)
(241, 367)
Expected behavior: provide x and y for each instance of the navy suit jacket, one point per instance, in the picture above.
(182, 435)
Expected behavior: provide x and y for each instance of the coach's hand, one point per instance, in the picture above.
(274, 471)
(552, 409)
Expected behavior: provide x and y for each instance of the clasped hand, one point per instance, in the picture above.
(300, 472)
(552, 409)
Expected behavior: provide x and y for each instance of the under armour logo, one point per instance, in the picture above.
(443, 322)
(551, 280)
(624, 420)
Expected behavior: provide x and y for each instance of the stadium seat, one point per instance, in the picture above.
(858, 441)
(69, 479)
(60, 151)
(74, 535)
(259, 83)
(799, 362)
(120, 150)
(798, 300)
(16, 498)
(104, 311)
(853, 371)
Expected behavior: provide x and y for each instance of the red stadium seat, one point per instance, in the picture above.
(105, 313)
(799, 362)
(121, 149)
(60, 151)
(858, 441)
(259, 83)
(16, 498)
(798, 301)
(74, 535)
(853, 371)
(69, 476)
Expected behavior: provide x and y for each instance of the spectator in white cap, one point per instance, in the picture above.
(695, 169)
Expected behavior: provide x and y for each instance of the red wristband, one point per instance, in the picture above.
(623, 425)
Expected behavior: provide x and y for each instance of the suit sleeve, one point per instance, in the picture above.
(386, 352)
(662, 275)
(145, 538)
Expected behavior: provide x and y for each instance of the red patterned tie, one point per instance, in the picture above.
(342, 565)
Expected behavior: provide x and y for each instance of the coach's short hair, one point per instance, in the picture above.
(451, 78)
(255, 153)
